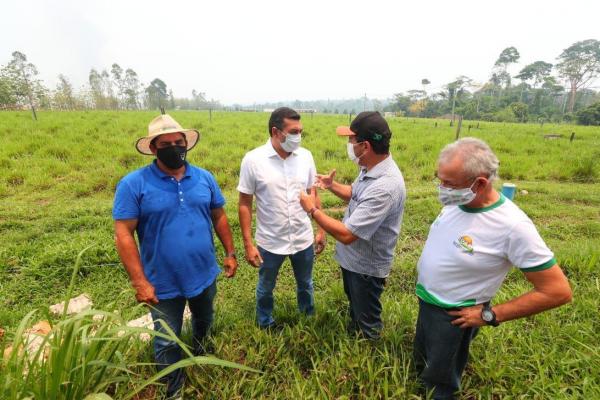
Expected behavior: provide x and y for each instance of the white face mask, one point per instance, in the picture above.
(351, 154)
(291, 142)
(456, 197)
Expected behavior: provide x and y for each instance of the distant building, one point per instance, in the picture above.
(390, 114)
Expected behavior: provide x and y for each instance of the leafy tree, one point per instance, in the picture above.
(156, 94)
(96, 91)
(118, 79)
(63, 95)
(107, 87)
(535, 72)
(198, 99)
(579, 64)
(456, 89)
(171, 99)
(589, 115)
(425, 82)
(520, 110)
(7, 94)
(416, 95)
(401, 102)
(509, 55)
(417, 107)
(377, 105)
(22, 74)
(132, 89)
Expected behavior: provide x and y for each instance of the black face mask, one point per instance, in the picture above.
(173, 156)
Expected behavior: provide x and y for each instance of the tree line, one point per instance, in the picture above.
(107, 89)
(542, 92)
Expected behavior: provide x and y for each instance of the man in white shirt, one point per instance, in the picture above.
(475, 240)
(275, 173)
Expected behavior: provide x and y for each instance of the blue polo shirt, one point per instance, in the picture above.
(174, 227)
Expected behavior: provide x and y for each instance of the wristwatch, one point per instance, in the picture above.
(231, 254)
(488, 315)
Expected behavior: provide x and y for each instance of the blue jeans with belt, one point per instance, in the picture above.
(168, 352)
(302, 265)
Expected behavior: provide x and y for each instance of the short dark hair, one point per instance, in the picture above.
(279, 115)
(381, 146)
(370, 126)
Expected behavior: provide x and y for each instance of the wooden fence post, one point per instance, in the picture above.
(458, 126)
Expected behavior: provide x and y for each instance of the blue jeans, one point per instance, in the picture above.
(168, 352)
(364, 294)
(302, 264)
(441, 350)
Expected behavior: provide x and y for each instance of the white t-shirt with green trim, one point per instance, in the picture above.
(469, 252)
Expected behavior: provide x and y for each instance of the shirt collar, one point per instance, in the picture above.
(501, 200)
(162, 175)
(379, 169)
(271, 152)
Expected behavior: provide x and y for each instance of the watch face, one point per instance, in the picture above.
(487, 315)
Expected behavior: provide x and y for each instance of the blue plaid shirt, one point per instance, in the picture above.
(374, 215)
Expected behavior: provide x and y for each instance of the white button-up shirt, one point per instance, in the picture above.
(282, 226)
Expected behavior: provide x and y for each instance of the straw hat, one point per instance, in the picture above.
(162, 125)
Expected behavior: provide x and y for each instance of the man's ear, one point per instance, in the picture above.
(368, 145)
(481, 183)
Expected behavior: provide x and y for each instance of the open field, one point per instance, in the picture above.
(57, 179)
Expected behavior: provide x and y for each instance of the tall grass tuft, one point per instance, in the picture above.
(93, 353)
(585, 170)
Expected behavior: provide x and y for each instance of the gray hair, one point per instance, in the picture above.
(478, 158)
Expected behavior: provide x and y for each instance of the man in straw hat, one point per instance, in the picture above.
(172, 206)
(369, 231)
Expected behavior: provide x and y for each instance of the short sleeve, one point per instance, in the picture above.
(369, 214)
(527, 250)
(126, 204)
(247, 183)
(216, 199)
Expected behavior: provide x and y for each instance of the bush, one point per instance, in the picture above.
(589, 115)
(569, 117)
(520, 111)
(505, 115)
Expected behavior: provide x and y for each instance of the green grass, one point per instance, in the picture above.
(57, 179)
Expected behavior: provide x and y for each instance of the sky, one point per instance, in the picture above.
(249, 52)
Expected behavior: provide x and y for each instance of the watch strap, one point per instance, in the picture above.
(488, 308)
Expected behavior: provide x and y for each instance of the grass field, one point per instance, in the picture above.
(57, 179)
